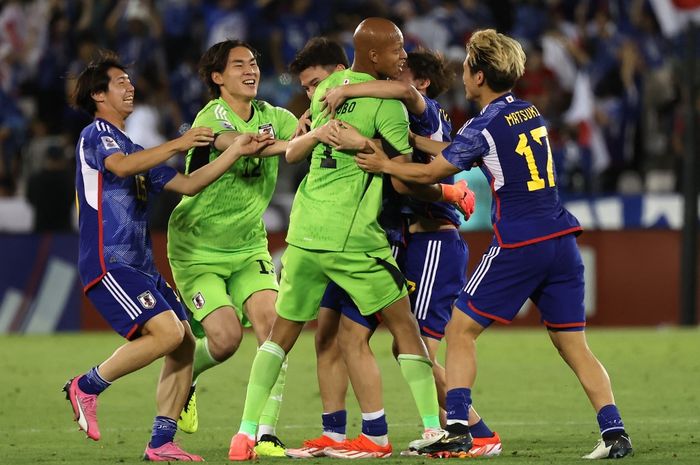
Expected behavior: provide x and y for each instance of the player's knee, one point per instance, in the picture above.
(171, 337)
(324, 342)
(224, 344)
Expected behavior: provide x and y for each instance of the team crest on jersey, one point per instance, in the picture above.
(227, 125)
(109, 143)
(198, 300)
(266, 129)
(147, 300)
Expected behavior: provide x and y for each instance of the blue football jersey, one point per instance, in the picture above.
(508, 141)
(112, 211)
(435, 124)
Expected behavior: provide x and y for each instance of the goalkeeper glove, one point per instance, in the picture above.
(461, 196)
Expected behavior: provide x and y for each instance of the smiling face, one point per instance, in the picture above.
(390, 59)
(241, 76)
(119, 97)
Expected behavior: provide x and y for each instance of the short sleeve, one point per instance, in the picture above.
(391, 121)
(286, 123)
(104, 146)
(428, 122)
(468, 147)
(214, 117)
(159, 176)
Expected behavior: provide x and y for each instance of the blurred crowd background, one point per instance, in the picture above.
(603, 74)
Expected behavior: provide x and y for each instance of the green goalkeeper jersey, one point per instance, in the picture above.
(337, 204)
(227, 215)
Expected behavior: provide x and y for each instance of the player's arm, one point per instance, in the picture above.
(421, 173)
(427, 145)
(243, 145)
(301, 146)
(142, 161)
(424, 192)
(225, 139)
(409, 95)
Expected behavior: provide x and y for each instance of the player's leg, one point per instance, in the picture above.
(353, 338)
(173, 387)
(303, 283)
(127, 301)
(561, 302)
(253, 288)
(332, 376)
(215, 322)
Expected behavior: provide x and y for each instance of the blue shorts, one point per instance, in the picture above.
(436, 263)
(337, 299)
(550, 273)
(128, 298)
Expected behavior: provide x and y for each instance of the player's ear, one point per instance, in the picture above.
(98, 96)
(373, 56)
(339, 67)
(217, 78)
(422, 84)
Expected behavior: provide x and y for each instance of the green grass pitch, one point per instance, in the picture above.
(524, 391)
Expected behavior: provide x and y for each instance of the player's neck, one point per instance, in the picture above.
(360, 67)
(488, 96)
(112, 117)
(242, 106)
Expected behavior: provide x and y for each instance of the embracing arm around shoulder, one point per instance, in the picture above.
(409, 95)
(378, 162)
(243, 145)
(139, 162)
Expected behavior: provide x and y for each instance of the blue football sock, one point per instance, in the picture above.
(92, 383)
(610, 422)
(480, 430)
(457, 404)
(372, 426)
(164, 429)
(335, 422)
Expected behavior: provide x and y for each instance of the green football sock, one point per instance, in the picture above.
(202, 358)
(263, 374)
(418, 372)
(271, 412)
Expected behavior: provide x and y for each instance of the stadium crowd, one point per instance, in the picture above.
(601, 73)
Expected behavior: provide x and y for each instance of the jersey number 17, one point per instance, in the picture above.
(539, 136)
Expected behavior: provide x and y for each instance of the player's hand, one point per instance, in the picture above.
(372, 162)
(304, 124)
(461, 196)
(195, 137)
(249, 144)
(331, 101)
(345, 137)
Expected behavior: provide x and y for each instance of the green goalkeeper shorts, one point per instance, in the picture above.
(371, 279)
(226, 281)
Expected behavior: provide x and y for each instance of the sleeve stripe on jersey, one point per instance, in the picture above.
(492, 162)
(220, 113)
(90, 178)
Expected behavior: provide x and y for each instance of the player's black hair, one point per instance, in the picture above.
(95, 78)
(425, 64)
(215, 59)
(319, 51)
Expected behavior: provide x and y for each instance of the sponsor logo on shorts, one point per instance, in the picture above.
(198, 300)
(147, 300)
